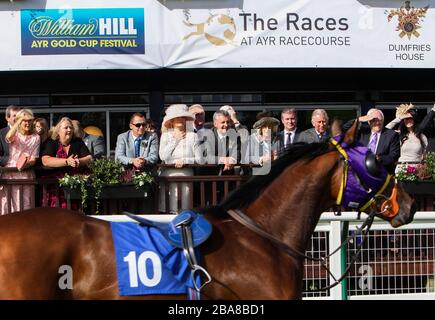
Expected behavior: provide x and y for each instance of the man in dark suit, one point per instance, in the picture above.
(223, 145)
(241, 130)
(383, 142)
(319, 132)
(10, 114)
(290, 134)
(222, 148)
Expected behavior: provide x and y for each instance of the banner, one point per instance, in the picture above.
(82, 31)
(149, 34)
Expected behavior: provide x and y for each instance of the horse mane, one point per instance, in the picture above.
(249, 191)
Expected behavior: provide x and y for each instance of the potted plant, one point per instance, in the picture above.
(107, 180)
(418, 178)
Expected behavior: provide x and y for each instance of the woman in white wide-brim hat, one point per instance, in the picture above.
(177, 147)
(262, 147)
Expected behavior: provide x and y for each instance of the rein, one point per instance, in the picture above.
(246, 221)
(389, 209)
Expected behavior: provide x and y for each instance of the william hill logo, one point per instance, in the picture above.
(82, 31)
(409, 19)
(218, 29)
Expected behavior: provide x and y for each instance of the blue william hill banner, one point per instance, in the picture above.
(82, 31)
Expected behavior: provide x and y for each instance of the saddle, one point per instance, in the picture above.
(186, 231)
(200, 228)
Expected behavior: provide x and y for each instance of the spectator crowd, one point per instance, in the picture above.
(186, 145)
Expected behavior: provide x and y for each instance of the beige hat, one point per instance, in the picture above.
(177, 111)
(196, 108)
(266, 121)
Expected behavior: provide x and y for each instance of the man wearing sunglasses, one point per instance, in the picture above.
(136, 147)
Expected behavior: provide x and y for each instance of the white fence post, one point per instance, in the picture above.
(335, 260)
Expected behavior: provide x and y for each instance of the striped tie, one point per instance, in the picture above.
(373, 141)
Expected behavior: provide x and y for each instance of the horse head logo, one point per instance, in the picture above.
(218, 29)
(409, 19)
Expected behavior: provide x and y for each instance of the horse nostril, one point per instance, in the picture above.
(404, 218)
(395, 223)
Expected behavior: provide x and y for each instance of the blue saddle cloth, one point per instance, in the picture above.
(147, 263)
(201, 229)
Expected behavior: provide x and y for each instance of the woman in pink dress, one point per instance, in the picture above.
(22, 142)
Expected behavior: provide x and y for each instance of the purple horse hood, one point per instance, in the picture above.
(361, 185)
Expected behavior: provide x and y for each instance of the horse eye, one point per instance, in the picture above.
(373, 166)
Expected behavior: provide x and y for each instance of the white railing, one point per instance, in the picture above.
(394, 263)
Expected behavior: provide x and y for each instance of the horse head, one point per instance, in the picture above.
(366, 186)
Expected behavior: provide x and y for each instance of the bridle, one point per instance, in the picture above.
(388, 209)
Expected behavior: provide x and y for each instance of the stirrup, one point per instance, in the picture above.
(192, 274)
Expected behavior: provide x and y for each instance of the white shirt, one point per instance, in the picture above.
(292, 136)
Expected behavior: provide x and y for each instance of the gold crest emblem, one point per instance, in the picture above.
(409, 19)
(218, 29)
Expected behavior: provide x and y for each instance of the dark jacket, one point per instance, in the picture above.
(388, 148)
(427, 127)
(233, 148)
(4, 146)
(280, 139)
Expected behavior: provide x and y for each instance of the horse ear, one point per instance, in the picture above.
(336, 127)
(351, 134)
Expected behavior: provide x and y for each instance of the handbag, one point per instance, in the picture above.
(21, 162)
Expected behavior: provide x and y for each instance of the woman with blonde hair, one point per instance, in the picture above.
(23, 152)
(65, 154)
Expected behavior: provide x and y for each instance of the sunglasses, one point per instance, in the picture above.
(137, 125)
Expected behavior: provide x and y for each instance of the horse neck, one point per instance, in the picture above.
(290, 207)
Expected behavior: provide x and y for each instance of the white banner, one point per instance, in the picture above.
(148, 34)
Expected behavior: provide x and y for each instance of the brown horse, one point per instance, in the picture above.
(287, 204)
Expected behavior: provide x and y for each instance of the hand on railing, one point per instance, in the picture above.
(139, 162)
(73, 161)
(179, 163)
